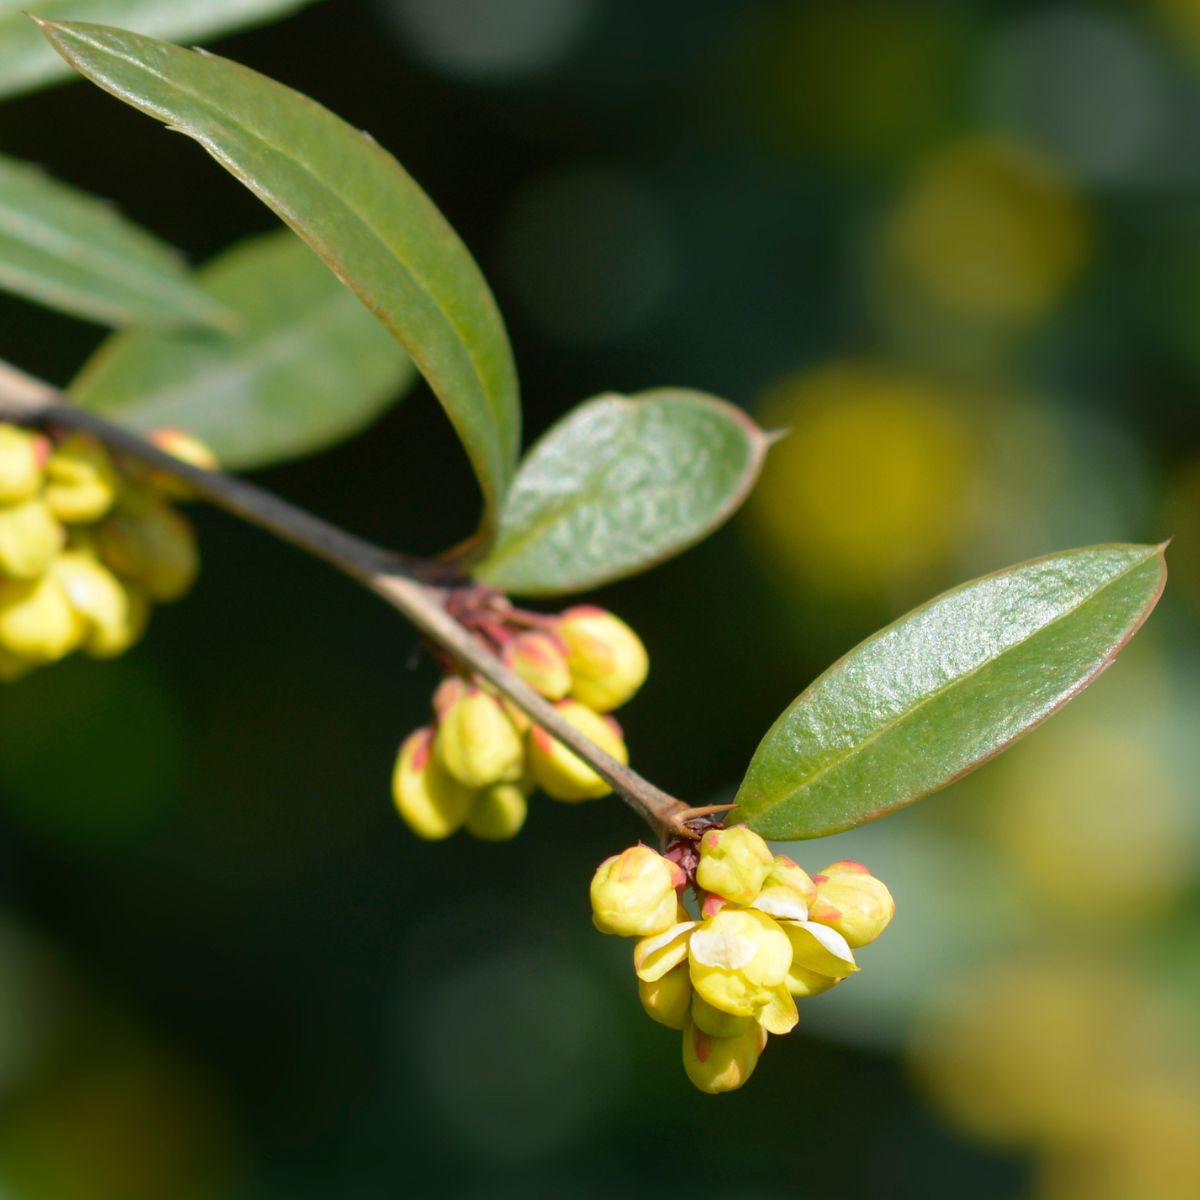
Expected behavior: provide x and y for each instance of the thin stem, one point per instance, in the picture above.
(415, 587)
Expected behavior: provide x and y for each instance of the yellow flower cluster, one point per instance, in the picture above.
(767, 935)
(85, 547)
(475, 766)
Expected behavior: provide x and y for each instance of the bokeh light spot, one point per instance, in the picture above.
(483, 39)
(990, 228)
(867, 489)
(587, 254)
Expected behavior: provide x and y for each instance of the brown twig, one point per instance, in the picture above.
(415, 587)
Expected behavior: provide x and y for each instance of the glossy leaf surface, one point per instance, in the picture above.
(353, 203)
(944, 688)
(307, 367)
(27, 62)
(619, 484)
(69, 250)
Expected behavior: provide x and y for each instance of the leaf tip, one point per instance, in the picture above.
(772, 436)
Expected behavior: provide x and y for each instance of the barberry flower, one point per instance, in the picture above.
(186, 448)
(488, 744)
(633, 893)
(22, 457)
(852, 901)
(144, 539)
(747, 960)
(498, 813)
(721, 1064)
(81, 481)
(564, 775)
(476, 742)
(30, 537)
(431, 801)
(37, 623)
(668, 999)
(607, 660)
(734, 863)
(539, 660)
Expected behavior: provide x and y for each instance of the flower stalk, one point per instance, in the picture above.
(420, 589)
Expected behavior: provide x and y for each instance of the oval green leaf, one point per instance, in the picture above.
(307, 367)
(619, 484)
(946, 687)
(352, 203)
(27, 62)
(72, 251)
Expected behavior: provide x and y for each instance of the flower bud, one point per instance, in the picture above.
(22, 456)
(145, 540)
(432, 802)
(713, 1021)
(477, 743)
(737, 959)
(30, 537)
(36, 621)
(539, 660)
(734, 863)
(786, 891)
(563, 774)
(607, 659)
(721, 1064)
(81, 481)
(785, 872)
(448, 693)
(184, 447)
(499, 813)
(115, 618)
(633, 893)
(668, 999)
(852, 901)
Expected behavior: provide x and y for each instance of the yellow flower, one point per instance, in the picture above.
(667, 999)
(721, 1064)
(145, 540)
(852, 901)
(734, 863)
(633, 893)
(30, 537)
(737, 959)
(477, 743)
(499, 813)
(185, 447)
(81, 481)
(22, 456)
(431, 801)
(820, 957)
(607, 659)
(539, 660)
(37, 622)
(564, 775)
(654, 956)
(115, 618)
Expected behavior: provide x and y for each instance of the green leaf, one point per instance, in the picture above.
(27, 62)
(954, 682)
(353, 203)
(619, 484)
(72, 251)
(307, 367)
